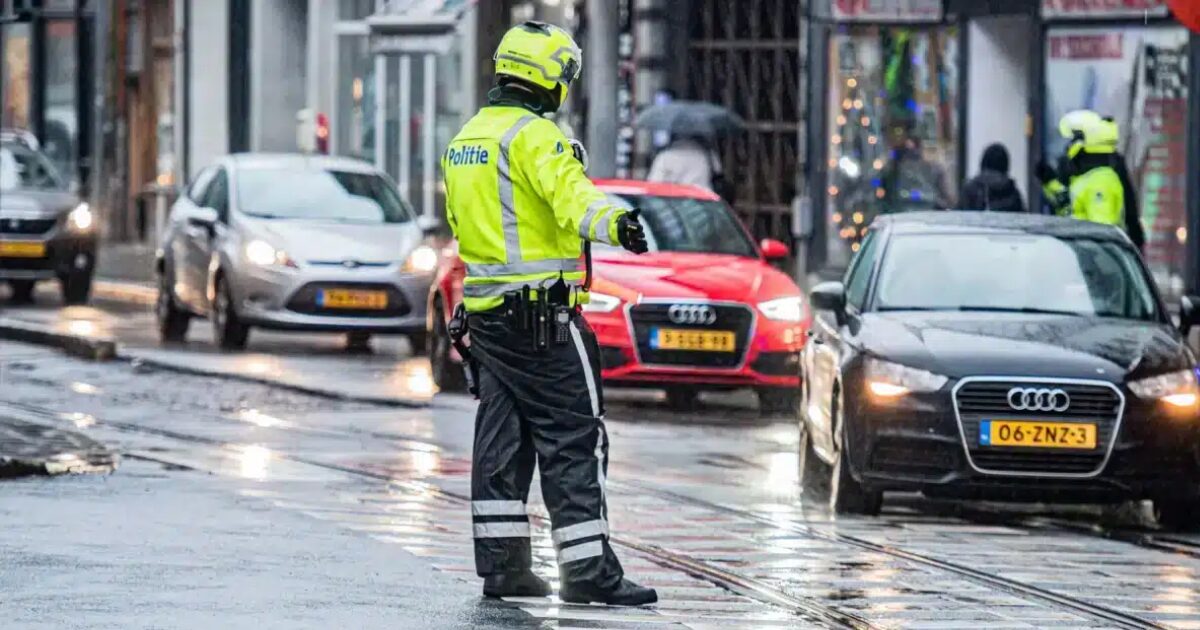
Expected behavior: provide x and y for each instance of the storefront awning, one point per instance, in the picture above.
(416, 26)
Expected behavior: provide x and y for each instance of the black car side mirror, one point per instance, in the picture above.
(829, 296)
(1189, 313)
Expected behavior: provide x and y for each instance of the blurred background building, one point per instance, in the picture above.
(853, 107)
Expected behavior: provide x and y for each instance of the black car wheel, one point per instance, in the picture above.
(76, 287)
(814, 473)
(22, 291)
(778, 401)
(419, 343)
(447, 374)
(846, 495)
(1179, 514)
(172, 321)
(229, 333)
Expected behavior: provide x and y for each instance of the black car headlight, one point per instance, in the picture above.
(81, 219)
(886, 380)
(1177, 389)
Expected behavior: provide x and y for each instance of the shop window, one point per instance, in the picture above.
(893, 129)
(1137, 75)
(61, 124)
(355, 123)
(14, 104)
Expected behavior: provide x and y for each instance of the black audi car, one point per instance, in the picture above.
(46, 231)
(1004, 357)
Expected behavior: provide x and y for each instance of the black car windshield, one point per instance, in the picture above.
(24, 168)
(319, 194)
(1014, 273)
(680, 224)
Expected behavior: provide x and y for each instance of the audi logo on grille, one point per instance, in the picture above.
(695, 314)
(1038, 399)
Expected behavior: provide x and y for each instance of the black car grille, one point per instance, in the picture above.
(26, 226)
(305, 300)
(777, 363)
(646, 317)
(988, 400)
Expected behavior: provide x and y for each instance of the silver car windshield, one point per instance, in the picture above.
(1014, 273)
(23, 168)
(319, 195)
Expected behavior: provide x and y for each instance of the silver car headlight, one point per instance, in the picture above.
(601, 303)
(788, 309)
(264, 254)
(891, 380)
(81, 219)
(1178, 389)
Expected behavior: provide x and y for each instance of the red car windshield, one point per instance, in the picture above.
(680, 224)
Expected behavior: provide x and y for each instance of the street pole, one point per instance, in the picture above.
(601, 73)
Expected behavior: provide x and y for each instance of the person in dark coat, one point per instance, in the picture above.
(992, 189)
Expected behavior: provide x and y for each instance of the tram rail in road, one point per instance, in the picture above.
(740, 582)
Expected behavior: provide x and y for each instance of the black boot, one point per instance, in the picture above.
(625, 593)
(521, 584)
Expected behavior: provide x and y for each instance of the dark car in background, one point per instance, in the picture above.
(1002, 357)
(46, 231)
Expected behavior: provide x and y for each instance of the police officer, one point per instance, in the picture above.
(1086, 184)
(521, 205)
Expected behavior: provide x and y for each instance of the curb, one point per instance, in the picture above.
(318, 392)
(90, 348)
(139, 294)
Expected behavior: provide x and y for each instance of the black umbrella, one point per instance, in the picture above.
(690, 118)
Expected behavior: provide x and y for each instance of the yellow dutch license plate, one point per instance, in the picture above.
(702, 340)
(353, 299)
(22, 249)
(1076, 435)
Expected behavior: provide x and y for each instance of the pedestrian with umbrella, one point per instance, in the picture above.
(691, 157)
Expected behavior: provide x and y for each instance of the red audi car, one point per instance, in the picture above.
(703, 310)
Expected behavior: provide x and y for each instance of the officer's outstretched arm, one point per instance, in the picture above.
(559, 178)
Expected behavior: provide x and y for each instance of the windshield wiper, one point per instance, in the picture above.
(1020, 309)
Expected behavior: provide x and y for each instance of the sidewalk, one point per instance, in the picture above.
(34, 449)
(126, 262)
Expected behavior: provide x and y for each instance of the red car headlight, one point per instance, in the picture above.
(601, 303)
(788, 309)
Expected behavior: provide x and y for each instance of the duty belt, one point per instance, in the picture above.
(543, 314)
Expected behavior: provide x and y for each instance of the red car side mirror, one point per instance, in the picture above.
(773, 249)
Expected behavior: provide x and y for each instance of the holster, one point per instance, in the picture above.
(458, 331)
(544, 315)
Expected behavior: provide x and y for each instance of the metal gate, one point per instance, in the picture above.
(746, 55)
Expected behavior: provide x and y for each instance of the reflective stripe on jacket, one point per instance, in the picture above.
(1099, 196)
(520, 204)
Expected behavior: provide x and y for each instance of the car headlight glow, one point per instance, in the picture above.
(601, 303)
(423, 259)
(81, 219)
(892, 380)
(788, 309)
(264, 254)
(1178, 389)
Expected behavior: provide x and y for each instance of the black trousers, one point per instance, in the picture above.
(544, 408)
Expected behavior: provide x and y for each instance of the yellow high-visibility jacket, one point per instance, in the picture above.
(520, 204)
(1099, 196)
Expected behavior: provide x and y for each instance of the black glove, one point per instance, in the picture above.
(631, 234)
(1045, 172)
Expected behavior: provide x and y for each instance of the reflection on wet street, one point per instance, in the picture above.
(704, 505)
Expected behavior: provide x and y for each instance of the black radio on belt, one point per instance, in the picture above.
(545, 313)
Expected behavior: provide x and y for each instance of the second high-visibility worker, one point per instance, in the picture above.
(1086, 185)
(521, 205)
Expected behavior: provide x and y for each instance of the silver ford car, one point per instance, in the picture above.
(293, 242)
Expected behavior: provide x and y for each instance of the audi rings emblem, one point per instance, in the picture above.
(1038, 399)
(695, 314)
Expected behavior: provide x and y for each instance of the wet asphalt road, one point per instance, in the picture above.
(242, 504)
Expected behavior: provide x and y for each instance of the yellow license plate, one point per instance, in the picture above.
(22, 249)
(352, 299)
(1078, 435)
(703, 340)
